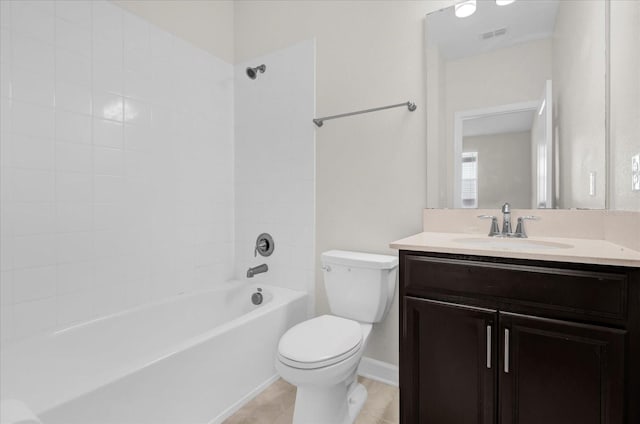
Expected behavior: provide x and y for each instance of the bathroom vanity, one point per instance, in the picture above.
(488, 338)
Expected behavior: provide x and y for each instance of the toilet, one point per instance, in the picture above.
(321, 355)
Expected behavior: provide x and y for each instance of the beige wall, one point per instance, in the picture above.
(370, 169)
(579, 105)
(625, 101)
(206, 24)
(504, 168)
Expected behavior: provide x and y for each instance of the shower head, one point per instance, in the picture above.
(253, 72)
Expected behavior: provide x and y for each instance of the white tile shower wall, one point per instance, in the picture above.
(275, 166)
(117, 164)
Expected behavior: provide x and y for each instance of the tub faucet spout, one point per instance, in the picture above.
(257, 270)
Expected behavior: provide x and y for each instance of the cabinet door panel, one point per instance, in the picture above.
(557, 372)
(448, 363)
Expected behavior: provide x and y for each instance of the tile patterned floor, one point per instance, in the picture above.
(275, 405)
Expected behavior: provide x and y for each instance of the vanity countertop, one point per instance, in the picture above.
(575, 250)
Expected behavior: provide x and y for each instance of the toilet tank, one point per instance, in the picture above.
(359, 286)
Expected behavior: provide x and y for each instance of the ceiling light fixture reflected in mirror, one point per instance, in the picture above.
(465, 8)
(504, 2)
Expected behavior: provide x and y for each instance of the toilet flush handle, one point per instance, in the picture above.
(326, 268)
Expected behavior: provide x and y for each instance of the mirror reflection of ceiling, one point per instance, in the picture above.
(502, 123)
(482, 32)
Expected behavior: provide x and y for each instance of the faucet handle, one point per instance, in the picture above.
(530, 218)
(520, 232)
(261, 246)
(494, 230)
(264, 245)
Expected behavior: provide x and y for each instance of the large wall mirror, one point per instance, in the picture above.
(517, 104)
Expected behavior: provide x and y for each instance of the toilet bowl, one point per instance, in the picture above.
(321, 355)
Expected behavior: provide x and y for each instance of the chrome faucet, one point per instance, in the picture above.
(506, 224)
(506, 220)
(257, 270)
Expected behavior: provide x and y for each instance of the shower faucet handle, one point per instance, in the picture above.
(264, 245)
(261, 246)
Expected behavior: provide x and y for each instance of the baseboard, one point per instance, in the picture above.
(245, 399)
(383, 372)
(369, 368)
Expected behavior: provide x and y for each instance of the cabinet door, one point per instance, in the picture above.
(448, 363)
(557, 372)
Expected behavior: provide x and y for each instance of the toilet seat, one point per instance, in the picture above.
(320, 342)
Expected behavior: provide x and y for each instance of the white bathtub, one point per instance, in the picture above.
(190, 359)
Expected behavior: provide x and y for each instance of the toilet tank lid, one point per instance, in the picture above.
(359, 259)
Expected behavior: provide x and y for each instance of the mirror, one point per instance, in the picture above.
(516, 104)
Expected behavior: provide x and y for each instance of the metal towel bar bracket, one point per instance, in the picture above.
(320, 121)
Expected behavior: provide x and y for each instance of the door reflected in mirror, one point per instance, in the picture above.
(505, 153)
(516, 107)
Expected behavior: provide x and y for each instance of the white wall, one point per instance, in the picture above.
(625, 102)
(206, 24)
(117, 164)
(579, 106)
(371, 169)
(275, 166)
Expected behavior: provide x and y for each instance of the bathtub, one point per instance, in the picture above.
(193, 358)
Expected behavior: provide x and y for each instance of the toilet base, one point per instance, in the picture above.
(357, 398)
(338, 404)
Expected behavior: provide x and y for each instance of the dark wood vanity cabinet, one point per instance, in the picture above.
(494, 340)
(559, 372)
(444, 345)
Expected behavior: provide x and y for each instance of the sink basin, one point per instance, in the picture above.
(512, 243)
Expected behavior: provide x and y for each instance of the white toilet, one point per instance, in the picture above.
(321, 355)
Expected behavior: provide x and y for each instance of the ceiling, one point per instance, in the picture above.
(461, 37)
(501, 123)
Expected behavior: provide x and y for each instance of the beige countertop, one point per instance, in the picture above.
(591, 251)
